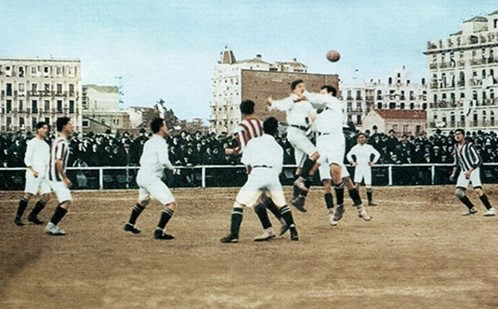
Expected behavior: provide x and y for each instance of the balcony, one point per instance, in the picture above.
(477, 61)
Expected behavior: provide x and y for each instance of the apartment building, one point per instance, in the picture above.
(36, 89)
(464, 77)
(101, 110)
(396, 92)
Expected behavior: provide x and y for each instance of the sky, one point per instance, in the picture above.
(163, 49)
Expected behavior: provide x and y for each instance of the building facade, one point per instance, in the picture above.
(101, 112)
(35, 89)
(402, 122)
(254, 79)
(464, 77)
(396, 92)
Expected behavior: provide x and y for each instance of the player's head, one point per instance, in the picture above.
(270, 126)
(328, 89)
(361, 138)
(158, 126)
(459, 135)
(42, 129)
(64, 125)
(247, 107)
(297, 86)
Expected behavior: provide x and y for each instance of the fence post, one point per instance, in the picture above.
(203, 176)
(433, 173)
(101, 178)
(390, 175)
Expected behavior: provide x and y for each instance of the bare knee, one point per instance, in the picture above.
(315, 155)
(45, 197)
(460, 193)
(479, 191)
(171, 205)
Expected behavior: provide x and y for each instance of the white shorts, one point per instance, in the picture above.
(332, 148)
(156, 189)
(475, 179)
(61, 191)
(35, 185)
(301, 143)
(324, 171)
(261, 180)
(363, 172)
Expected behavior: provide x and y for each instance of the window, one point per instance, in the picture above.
(34, 106)
(21, 103)
(59, 88)
(59, 106)
(405, 128)
(8, 89)
(34, 87)
(47, 106)
(85, 123)
(71, 106)
(8, 106)
(395, 127)
(71, 89)
(33, 122)
(34, 70)
(21, 123)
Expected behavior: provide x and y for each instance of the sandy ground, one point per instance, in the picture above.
(417, 252)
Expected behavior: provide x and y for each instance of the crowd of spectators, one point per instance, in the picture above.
(193, 149)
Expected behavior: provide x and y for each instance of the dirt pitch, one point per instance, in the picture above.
(417, 252)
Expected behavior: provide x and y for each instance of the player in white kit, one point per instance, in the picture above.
(153, 161)
(360, 156)
(264, 170)
(37, 159)
(300, 114)
(331, 144)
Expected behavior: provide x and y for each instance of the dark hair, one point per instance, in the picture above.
(270, 126)
(40, 125)
(360, 134)
(61, 122)
(330, 89)
(294, 84)
(156, 125)
(247, 107)
(462, 131)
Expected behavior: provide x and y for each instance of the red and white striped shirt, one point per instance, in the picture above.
(60, 151)
(248, 129)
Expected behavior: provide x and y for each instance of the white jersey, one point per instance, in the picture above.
(363, 154)
(297, 113)
(38, 156)
(154, 158)
(265, 156)
(265, 152)
(331, 119)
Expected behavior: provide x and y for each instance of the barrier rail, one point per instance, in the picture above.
(123, 177)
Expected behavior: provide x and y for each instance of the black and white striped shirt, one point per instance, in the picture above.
(60, 151)
(467, 157)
